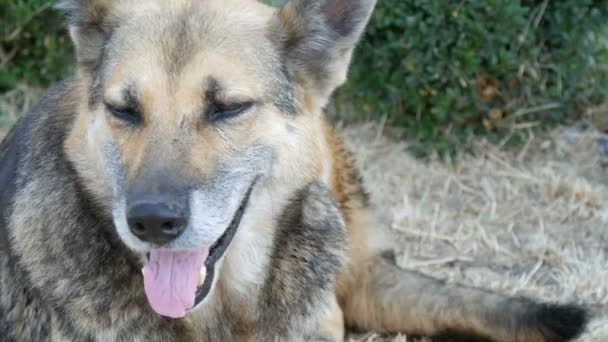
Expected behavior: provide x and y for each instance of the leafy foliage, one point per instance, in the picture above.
(447, 69)
(34, 45)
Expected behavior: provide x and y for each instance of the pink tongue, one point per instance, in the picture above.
(170, 280)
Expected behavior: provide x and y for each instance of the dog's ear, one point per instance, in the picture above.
(317, 38)
(89, 25)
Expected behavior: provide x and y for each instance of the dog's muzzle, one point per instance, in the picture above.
(175, 281)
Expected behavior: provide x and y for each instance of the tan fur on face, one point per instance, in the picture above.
(173, 103)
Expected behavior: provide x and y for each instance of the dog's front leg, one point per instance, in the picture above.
(298, 301)
(325, 325)
(331, 327)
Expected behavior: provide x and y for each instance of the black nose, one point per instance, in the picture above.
(156, 222)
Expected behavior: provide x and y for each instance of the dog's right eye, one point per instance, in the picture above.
(125, 114)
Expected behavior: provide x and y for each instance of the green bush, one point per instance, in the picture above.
(34, 46)
(447, 69)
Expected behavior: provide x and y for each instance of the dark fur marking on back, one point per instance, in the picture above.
(15, 284)
(8, 173)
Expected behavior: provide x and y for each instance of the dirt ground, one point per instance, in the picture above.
(532, 221)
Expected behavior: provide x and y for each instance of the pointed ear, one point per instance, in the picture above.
(317, 38)
(89, 26)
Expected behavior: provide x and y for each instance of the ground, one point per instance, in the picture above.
(530, 221)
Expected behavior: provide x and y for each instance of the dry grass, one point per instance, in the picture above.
(528, 222)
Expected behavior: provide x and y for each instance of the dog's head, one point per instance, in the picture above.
(190, 108)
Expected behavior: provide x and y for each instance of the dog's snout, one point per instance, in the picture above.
(157, 221)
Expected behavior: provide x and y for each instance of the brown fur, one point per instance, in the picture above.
(307, 259)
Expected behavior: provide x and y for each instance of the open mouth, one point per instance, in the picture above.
(177, 281)
(218, 249)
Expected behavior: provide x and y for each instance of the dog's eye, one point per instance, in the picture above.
(125, 114)
(223, 111)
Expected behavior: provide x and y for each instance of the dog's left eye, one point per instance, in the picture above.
(223, 111)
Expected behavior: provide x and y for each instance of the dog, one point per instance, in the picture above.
(184, 185)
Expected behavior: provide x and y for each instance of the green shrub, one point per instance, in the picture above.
(34, 46)
(446, 69)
